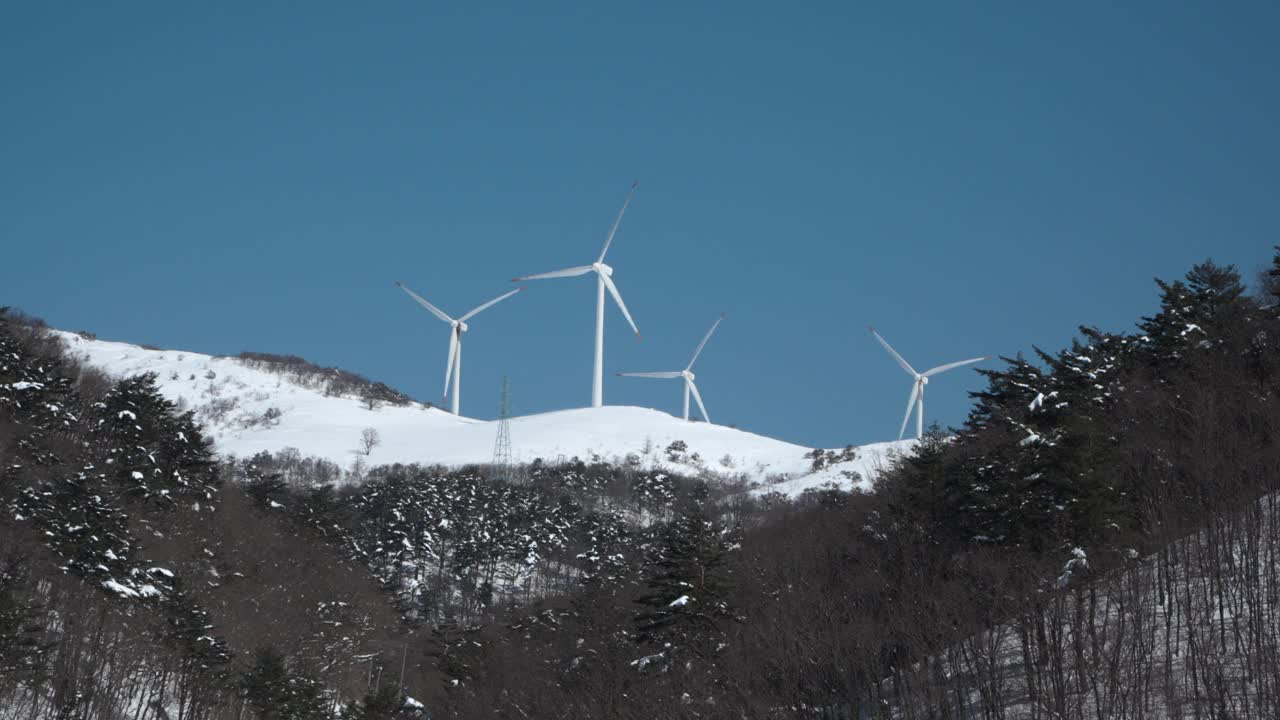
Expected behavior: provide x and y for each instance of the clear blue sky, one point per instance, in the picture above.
(972, 178)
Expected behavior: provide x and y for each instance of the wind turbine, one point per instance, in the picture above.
(686, 373)
(917, 387)
(457, 328)
(603, 281)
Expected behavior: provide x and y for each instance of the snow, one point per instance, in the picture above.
(126, 591)
(679, 602)
(119, 589)
(330, 427)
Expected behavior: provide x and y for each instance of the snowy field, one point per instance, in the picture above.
(233, 400)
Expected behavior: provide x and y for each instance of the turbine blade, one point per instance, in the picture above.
(905, 365)
(613, 231)
(569, 272)
(698, 397)
(434, 310)
(617, 297)
(675, 374)
(453, 353)
(703, 344)
(489, 304)
(911, 402)
(952, 366)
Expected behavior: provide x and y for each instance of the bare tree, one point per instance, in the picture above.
(369, 439)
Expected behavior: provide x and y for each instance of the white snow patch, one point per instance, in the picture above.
(330, 427)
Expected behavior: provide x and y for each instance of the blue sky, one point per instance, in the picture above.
(971, 178)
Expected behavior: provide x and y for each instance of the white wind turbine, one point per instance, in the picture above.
(457, 328)
(603, 280)
(917, 387)
(687, 374)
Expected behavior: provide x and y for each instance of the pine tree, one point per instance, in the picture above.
(1195, 312)
(385, 704)
(1274, 275)
(35, 395)
(190, 630)
(277, 692)
(684, 610)
(23, 639)
(157, 455)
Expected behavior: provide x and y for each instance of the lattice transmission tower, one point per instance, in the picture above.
(502, 469)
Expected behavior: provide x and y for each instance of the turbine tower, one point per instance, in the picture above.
(603, 281)
(453, 369)
(917, 386)
(687, 374)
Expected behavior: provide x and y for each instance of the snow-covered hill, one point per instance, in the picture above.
(247, 410)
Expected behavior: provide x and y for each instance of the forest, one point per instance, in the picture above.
(1099, 539)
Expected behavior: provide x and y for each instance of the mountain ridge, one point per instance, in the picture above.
(248, 409)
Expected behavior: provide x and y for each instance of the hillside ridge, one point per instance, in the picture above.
(248, 409)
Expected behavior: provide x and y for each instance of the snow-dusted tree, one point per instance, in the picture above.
(277, 691)
(1194, 312)
(1273, 276)
(685, 611)
(145, 447)
(23, 635)
(35, 394)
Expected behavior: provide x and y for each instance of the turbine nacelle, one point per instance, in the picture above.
(605, 285)
(690, 387)
(916, 400)
(457, 326)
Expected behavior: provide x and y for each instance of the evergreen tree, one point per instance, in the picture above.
(36, 396)
(190, 630)
(1196, 312)
(147, 448)
(1274, 275)
(685, 610)
(385, 704)
(23, 638)
(277, 692)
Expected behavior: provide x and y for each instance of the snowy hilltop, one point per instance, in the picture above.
(249, 406)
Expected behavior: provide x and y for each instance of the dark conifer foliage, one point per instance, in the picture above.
(23, 637)
(276, 691)
(685, 606)
(1273, 274)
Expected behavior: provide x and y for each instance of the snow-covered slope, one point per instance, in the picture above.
(233, 400)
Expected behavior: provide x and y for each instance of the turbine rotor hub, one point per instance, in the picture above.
(602, 268)
(924, 380)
